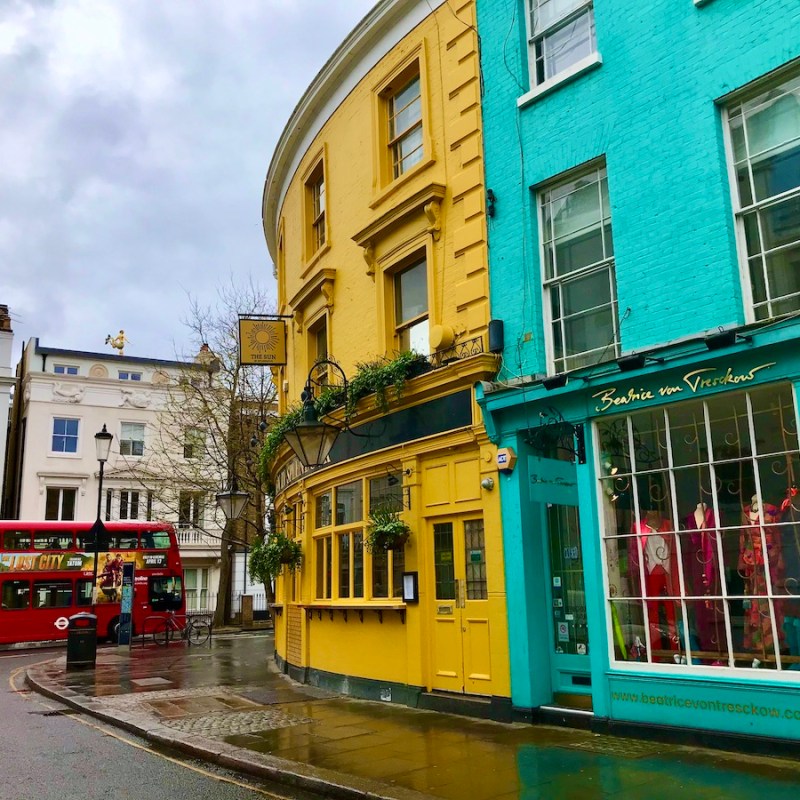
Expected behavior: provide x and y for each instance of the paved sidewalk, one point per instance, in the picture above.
(228, 704)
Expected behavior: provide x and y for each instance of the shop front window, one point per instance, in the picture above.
(702, 532)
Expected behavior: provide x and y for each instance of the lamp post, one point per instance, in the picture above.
(311, 439)
(102, 442)
(232, 502)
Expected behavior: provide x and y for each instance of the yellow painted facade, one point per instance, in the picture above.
(341, 264)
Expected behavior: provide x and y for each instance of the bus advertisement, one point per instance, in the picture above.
(47, 574)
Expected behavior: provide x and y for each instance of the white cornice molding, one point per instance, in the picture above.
(380, 30)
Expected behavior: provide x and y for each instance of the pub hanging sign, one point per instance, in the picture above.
(262, 341)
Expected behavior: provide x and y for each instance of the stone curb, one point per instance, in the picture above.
(326, 783)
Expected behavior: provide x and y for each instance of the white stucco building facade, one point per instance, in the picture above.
(64, 397)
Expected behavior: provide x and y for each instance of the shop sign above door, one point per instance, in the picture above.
(693, 382)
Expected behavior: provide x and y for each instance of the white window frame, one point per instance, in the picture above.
(626, 482)
(612, 348)
(757, 206)
(61, 490)
(66, 453)
(536, 37)
(65, 369)
(126, 443)
(127, 375)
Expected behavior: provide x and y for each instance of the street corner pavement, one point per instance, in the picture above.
(227, 703)
(179, 698)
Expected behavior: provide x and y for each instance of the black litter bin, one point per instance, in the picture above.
(82, 641)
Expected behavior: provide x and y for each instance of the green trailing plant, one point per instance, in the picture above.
(268, 556)
(385, 530)
(376, 377)
(372, 377)
(274, 439)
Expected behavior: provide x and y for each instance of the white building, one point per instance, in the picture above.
(6, 383)
(64, 398)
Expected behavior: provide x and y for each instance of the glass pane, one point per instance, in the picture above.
(349, 503)
(386, 492)
(588, 291)
(783, 276)
(475, 559)
(408, 116)
(649, 439)
(730, 434)
(68, 503)
(708, 638)
(444, 566)
(323, 510)
(687, 433)
(411, 292)
(398, 568)
(781, 223)
(344, 565)
(566, 568)
(593, 331)
(417, 338)
(405, 107)
(570, 44)
(545, 12)
(628, 630)
(380, 573)
(320, 572)
(358, 565)
(695, 498)
(615, 446)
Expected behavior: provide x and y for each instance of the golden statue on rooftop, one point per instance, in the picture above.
(118, 342)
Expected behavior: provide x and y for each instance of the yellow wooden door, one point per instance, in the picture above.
(461, 630)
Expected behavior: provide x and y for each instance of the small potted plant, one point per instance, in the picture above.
(385, 530)
(271, 554)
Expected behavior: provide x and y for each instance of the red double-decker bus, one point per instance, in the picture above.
(47, 575)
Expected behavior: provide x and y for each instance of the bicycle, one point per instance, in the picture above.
(194, 631)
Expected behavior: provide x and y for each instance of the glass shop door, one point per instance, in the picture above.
(569, 632)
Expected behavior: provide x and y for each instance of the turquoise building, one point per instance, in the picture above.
(643, 192)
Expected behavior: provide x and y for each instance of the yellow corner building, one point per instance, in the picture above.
(374, 213)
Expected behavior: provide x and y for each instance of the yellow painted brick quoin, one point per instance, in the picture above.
(342, 620)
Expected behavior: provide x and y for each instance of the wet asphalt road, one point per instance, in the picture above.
(48, 755)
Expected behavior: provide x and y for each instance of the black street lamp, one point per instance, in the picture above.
(311, 439)
(102, 442)
(232, 501)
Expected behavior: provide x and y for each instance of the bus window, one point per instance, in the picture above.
(52, 594)
(16, 594)
(83, 593)
(155, 540)
(16, 540)
(126, 541)
(164, 594)
(44, 540)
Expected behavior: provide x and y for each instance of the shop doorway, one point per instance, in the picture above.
(461, 631)
(556, 545)
(569, 632)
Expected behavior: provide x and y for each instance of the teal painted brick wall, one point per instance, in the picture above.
(650, 110)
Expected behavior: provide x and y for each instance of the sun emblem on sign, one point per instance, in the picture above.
(262, 337)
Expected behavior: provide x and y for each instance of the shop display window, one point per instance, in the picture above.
(701, 529)
(344, 569)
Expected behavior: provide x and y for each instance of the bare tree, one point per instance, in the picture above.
(211, 428)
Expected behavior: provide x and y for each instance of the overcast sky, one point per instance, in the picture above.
(135, 136)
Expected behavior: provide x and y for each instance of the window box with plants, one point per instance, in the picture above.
(385, 530)
(271, 554)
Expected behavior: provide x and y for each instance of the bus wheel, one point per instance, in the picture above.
(113, 630)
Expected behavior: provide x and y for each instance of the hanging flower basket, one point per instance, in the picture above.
(270, 555)
(386, 531)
